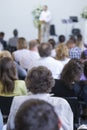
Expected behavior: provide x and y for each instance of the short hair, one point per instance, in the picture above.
(7, 74)
(72, 71)
(62, 52)
(44, 49)
(15, 32)
(61, 38)
(52, 42)
(32, 44)
(22, 44)
(36, 114)
(39, 80)
(2, 34)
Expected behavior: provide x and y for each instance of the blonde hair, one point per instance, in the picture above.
(22, 44)
(5, 54)
(62, 52)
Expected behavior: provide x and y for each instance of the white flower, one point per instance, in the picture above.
(84, 13)
(36, 14)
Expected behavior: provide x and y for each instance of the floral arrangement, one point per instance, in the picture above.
(36, 14)
(84, 13)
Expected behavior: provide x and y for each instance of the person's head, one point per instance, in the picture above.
(71, 43)
(45, 49)
(39, 80)
(2, 34)
(79, 37)
(52, 42)
(33, 45)
(5, 53)
(45, 7)
(7, 74)
(22, 44)
(35, 114)
(84, 55)
(15, 32)
(61, 39)
(85, 69)
(72, 71)
(62, 52)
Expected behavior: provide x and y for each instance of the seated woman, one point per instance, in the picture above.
(20, 71)
(67, 85)
(62, 54)
(9, 84)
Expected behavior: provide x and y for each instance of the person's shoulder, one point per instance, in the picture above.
(18, 82)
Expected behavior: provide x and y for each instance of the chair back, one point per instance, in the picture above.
(5, 104)
(52, 30)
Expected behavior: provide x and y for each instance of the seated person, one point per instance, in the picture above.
(67, 85)
(9, 84)
(39, 81)
(36, 114)
(21, 73)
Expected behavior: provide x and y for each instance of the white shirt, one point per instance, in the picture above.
(52, 64)
(61, 106)
(26, 60)
(45, 16)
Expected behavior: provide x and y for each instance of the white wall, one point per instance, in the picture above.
(17, 14)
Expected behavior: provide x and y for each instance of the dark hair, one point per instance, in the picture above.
(61, 38)
(84, 55)
(45, 49)
(7, 74)
(15, 32)
(39, 80)
(2, 34)
(85, 69)
(36, 114)
(72, 71)
(52, 42)
(79, 37)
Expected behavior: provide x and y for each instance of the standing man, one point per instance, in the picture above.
(45, 19)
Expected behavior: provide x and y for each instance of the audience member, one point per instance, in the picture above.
(74, 50)
(31, 56)
(36, 114)
(61, 39)
(2, 41)
(39, 81)
(53, 43)
(69, 79)
(21, 73)
(80, 43)
(83, 56)
(62, 54)
(12, 43)
(46, 60)
(9, 84)
(22, 50)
